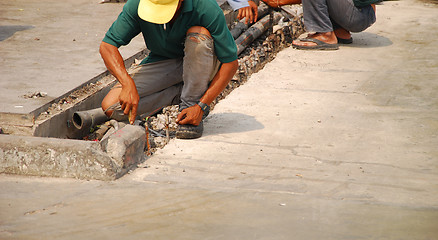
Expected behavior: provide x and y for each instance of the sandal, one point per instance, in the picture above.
(345, 41)
(320, 45)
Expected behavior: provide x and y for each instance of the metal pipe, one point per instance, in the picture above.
(241, 26)
(85, 120)
(255, 31)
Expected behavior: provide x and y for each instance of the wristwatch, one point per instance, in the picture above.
(204, 106)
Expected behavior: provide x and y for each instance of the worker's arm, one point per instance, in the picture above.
(193, 115)
(128, 97)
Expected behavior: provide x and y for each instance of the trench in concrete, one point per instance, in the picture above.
(25, 152)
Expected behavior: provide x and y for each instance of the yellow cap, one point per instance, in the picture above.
(157, 11)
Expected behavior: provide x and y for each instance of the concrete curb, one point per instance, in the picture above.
(73, 158)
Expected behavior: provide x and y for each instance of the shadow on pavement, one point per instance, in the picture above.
(220, 123)
(9, 30)
(370, 40)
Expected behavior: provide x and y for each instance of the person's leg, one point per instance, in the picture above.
(316, 16)
(158, 84)
(200, 66)
(348, 18)
(345, 15)
(317, 21)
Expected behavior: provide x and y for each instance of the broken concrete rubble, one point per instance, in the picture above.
(125, 146)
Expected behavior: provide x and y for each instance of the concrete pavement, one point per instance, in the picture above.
(317, 145)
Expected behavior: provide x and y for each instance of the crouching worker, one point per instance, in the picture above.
(192, 59)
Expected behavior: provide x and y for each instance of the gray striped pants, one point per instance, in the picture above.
(327, 15)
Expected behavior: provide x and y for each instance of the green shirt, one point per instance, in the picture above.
(168, 42)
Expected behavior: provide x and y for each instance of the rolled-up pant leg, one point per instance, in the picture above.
(326, 15)
(316, 16)
(199, 67)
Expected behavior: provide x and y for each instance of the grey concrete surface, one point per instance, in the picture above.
(317, 145)
(52, 47)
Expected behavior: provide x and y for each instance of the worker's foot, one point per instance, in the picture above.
(317, 41)
(189, 131)
(343, 36)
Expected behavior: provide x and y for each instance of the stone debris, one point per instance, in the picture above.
(162, 127)
(35, 95)
(166, 119)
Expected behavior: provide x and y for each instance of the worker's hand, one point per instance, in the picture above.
(250, 13)
(191, 115)
(128, 99)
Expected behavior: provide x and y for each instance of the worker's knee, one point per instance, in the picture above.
(198, 43)
(105, 105)
(199, 29)
(110, 99)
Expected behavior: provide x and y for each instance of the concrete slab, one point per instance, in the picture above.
(318, 145)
